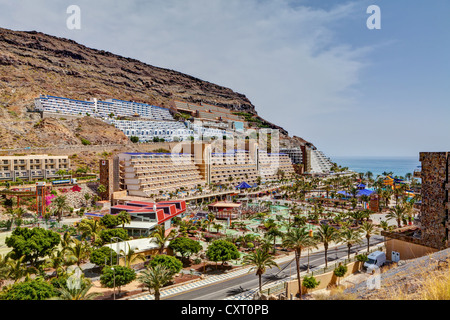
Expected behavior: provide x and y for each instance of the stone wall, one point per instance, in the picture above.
(434, 211)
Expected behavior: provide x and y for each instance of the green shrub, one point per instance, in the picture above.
(85, 142)
(310, 282)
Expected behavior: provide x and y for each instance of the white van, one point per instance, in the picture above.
(377, 258)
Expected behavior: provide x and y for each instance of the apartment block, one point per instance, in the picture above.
(32, 167)
(144, 174)
(197, 164)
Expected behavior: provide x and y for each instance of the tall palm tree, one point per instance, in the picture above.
(369, 230)
(326, 234)
(90, 228)
(261, 259)
(161, 238)
(350, 237)
(397, 213)
(60, 205)
(155, 278)
(297, 239)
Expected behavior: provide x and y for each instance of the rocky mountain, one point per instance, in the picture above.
(33, 63)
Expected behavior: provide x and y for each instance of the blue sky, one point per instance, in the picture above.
(311, 66)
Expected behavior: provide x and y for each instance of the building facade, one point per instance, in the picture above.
(32, 167)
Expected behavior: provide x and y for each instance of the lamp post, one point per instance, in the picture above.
(118, 253)
(114, 283)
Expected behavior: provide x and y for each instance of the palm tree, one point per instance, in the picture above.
(326, 234)
(155, 278)
(397, 213)
(78, 253)
(349, 237)
(66, 240)
(60, 205)
(261, 259)
(161, 238)
(19, 212)
(80, 293)
(57, 261)
(87, 196)
(273, 233)
(101, 189)
(4, 268)
(131, 256)
(123, 217)
(297, 239)
(369, 230)
(90, 228)
(18, 270)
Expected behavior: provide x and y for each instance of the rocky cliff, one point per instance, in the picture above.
(33, 63)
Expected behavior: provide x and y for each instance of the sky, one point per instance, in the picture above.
(311, 66)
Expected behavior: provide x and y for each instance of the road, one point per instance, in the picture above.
(224, 289)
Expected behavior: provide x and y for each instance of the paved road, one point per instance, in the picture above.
(249, 281)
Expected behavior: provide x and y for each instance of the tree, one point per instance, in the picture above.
(261, 259)
(310, 282)
(273, 233)
(297, 239)
(87, 197)
(369, 230)
(155, 277)
(36, 289)
(185, 246)
(90, 228)
(103, 256)
(169, 262)
(134, 139)
(397, 213)
(76, 293)
(117, 276)
(106, 235)
(340, 271)
(161, 238)
(131, 256)
(60, 205)
(222, 250)
(18, 270)
(349, 237)
(326, 234)
(123, 217)
(57, 261)
(101, 189)
(32, 243)
(109, 221)
(78, 253)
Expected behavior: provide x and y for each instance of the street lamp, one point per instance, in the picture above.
(114, 283)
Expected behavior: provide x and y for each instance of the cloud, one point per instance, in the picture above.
(283, 57)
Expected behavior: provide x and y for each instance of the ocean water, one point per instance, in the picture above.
(377, 165)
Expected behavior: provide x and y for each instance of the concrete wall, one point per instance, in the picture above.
(406, 249)
(326, 280)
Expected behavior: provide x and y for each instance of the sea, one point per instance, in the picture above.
(377, 165)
